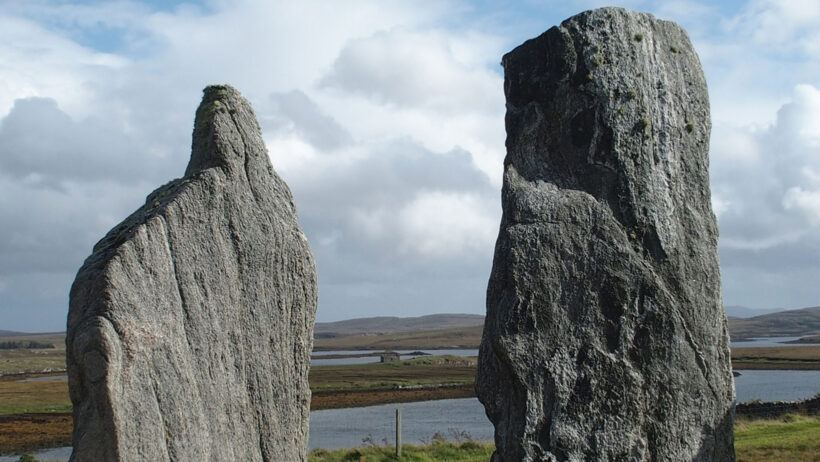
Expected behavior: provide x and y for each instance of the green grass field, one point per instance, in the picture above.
(793, 438)
(467, 451)
(459, 337)
(426, 370)
(52, 395)
(34, 397)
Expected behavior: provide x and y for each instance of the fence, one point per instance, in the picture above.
(778, 408)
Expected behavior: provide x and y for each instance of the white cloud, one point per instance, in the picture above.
(433, 225)
(295, 113)
(282, 45)
(767, 196)
(424, 68)
(47, 229)
(754, 54)
(110, 126)
(786, 25)
(42, 144)
(37, 62)
(398, 203)
(807, 203)
(719, 206)
(800, 120)
(385, 118)
(442, 225)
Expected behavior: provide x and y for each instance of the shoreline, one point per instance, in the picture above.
(322, 400)
(335, 387)
(20, 433)
(775, 366)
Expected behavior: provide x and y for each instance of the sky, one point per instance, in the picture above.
(386, 118)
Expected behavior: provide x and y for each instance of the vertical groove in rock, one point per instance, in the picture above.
(605, 336)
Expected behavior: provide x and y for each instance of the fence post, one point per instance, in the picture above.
(398, 432)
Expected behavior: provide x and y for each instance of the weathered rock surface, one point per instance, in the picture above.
(190, 325)
(605, 336)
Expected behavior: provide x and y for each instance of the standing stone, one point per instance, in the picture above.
(190, 325)
(605, 336)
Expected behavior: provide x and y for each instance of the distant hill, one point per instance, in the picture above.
(791, 323)
(459, 337)
(737, 311)
(393, 324)
(10, 333)
(809, 339)
(464, 330)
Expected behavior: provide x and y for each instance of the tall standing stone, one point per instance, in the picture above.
(190, 325)
(605, 336)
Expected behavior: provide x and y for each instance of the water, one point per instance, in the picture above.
(332, 429)
(335, 361)
(59, 454)
(345, 428)
(766, 342)
(776, 385)
(47, 378)
(375, 359)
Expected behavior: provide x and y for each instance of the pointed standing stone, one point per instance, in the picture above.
(190, 325)
(605, 336)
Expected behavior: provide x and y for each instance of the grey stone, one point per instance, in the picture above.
(190, 325)
(605, 336)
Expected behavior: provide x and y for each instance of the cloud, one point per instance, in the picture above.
(786, 26)
(38, 62)
(441, 225)
(295, 113)
(396, 204)
(99, 107)
(763, 48)
(806, 203)
(767, 182)
(46, 229)
(35, 301)
(42, 144)
(427, 69)
(385, 118)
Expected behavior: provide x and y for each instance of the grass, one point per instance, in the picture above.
(793, 437)
(34, 397)
(427, 370)
(468, 451)
(52, 395)
(460, 337)
(779, 357)
(344, 399)
(32, 360)
(48, 424)
(35, 432)
(16, 361)
(789, 353)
